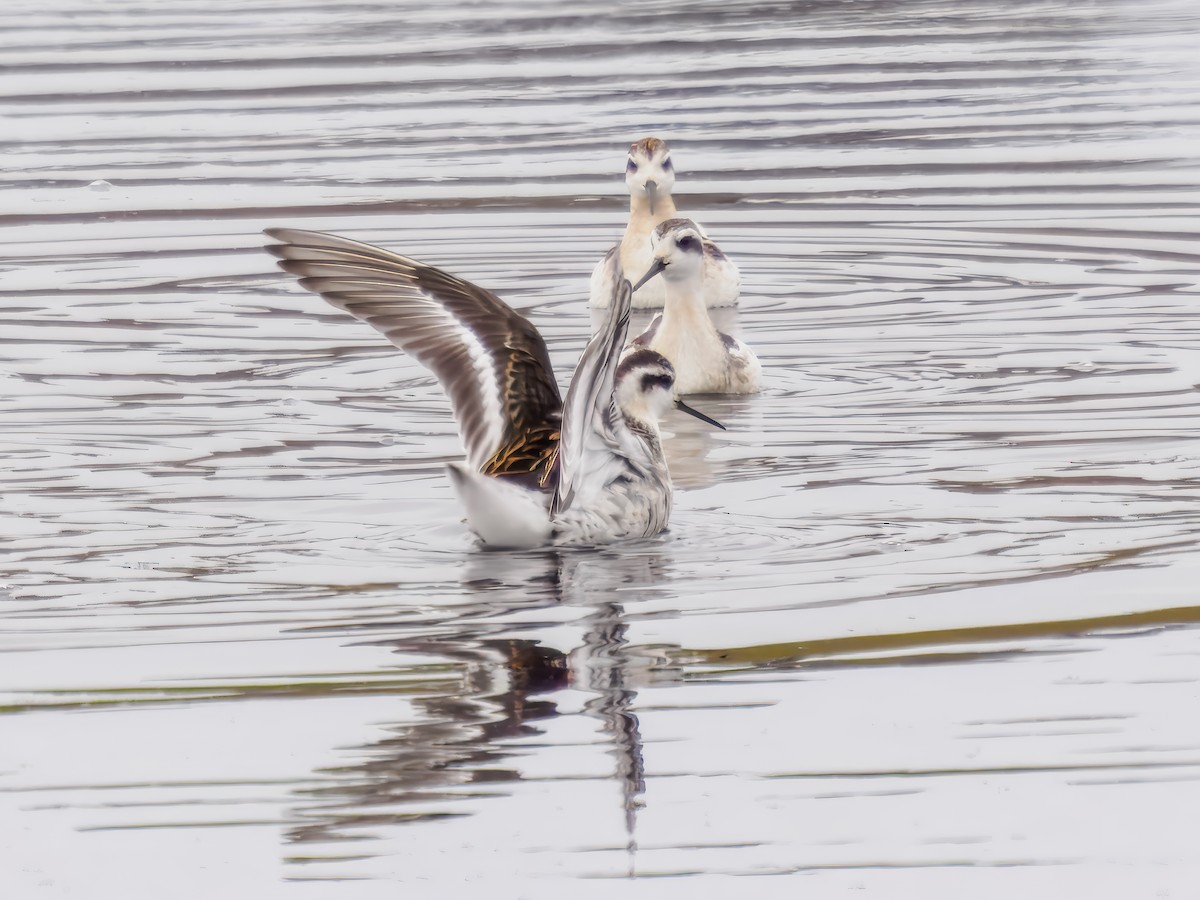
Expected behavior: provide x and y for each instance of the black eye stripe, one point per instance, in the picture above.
(649, 382)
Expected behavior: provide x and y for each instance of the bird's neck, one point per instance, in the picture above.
(684, 308)
(646, 442)
(640, 217)
(639, 420)
(633, 407)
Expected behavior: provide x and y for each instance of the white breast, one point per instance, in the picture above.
(640, 509)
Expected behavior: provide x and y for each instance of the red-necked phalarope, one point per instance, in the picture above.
(538, 471)
(706, 361)
(650, 177)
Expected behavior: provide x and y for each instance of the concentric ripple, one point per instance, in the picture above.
(923, 624)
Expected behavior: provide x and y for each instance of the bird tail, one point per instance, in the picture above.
(503, 515)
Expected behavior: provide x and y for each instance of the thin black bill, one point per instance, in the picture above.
(655, 267)
(683, 407)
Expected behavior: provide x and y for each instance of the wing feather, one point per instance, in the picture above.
(589, 411)
(489, 358)
(604, 277)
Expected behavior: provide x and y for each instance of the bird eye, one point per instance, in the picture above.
(667, 164)
(650, 382)
(687, 242)
(631, 167)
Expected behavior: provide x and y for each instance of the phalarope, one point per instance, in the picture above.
(706, 361)
(538, 471)
(650, 178)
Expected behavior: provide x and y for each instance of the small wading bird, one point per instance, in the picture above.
(650, 178)
(538, 471)
(706, 361)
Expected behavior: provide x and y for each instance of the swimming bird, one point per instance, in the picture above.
(538, 471)
(705, 360)
(650, 177)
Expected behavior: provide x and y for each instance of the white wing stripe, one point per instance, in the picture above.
(434, 318)
(490, 361)
(489, 387)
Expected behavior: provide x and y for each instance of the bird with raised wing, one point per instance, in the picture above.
(650, 177)
(706, 361)
(539, 471)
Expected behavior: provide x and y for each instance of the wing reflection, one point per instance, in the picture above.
(465, 742)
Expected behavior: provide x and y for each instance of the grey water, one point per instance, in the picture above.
(923, 623)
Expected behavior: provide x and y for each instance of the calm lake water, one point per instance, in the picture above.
(925, 621)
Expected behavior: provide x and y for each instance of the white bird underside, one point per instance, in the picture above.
(507, 517)
(501, 514)
(603, 480)
(706, 361)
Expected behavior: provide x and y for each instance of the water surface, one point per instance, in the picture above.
(924, 623)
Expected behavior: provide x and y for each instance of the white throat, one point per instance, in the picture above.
(685, 301)
(639, 211)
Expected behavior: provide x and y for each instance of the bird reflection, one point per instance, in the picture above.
(606, 665)
(460, 739)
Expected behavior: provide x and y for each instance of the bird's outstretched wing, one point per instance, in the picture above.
(589, 412)
(489, 358)
(604, 277)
